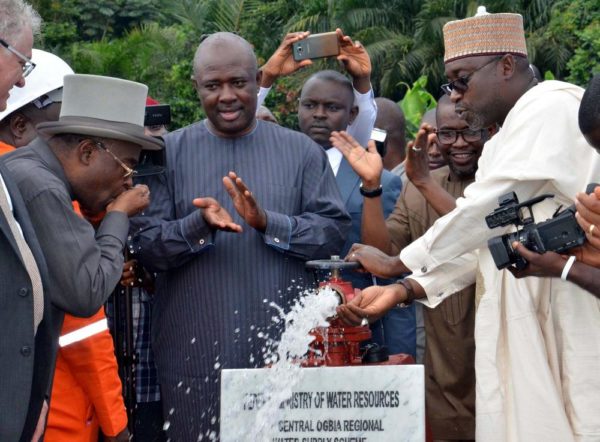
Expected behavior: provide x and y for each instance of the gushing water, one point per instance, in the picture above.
(310, 310)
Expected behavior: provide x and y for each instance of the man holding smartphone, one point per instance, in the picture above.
(356, 62)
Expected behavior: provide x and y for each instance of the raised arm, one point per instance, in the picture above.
(357, 63)
(417, 171)
(318, 231)
(280, 64)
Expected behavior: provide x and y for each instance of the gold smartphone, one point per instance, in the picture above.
(316, 46)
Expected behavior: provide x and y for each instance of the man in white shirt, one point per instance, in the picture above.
(537, 339)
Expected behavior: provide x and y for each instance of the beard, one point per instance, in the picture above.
(475, 120)
(486, 114)
(463, 173)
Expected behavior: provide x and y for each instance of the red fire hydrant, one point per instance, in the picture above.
(339, 344)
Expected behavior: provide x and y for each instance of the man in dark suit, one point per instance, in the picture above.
(25, 345)
(26, 360)
(327, 104)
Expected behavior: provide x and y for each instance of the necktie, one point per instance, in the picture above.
(28, 260)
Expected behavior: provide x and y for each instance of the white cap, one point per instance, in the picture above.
(44, 80)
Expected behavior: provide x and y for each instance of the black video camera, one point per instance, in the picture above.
(557, 234)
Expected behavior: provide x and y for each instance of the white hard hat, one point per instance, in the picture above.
(45, 79)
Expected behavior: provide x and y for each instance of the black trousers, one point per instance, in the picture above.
(149, 423)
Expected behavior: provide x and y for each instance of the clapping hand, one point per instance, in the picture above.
(244, 202)
(215, 215)
(367, 163)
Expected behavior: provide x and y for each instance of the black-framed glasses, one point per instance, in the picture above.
(461, 84)
(449, 136)
(129, 172)
(27, 65)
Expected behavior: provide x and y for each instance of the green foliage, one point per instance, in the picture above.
(154, 41)
(69, 21)
(568, 44)
(160, 57)
(283, 102)
(586, 60)
(415, 103)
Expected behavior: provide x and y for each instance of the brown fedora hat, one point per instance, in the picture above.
(103, 107)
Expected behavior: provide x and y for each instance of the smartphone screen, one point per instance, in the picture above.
(316, 46)
(379, 136)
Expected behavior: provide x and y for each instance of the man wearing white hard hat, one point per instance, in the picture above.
(36, 102)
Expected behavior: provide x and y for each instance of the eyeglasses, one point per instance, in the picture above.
(129, 172)
(461, 84)
(449, 136)
(27, 65)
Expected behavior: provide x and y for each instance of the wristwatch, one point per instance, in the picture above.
(371, 193)
(410, 293)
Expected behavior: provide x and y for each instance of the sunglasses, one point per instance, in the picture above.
(461, 84)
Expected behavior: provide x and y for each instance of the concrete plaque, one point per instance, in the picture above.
(327, 404)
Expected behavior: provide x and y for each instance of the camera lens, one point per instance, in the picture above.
(300, 49)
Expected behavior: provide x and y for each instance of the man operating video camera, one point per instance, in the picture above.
(581, 265)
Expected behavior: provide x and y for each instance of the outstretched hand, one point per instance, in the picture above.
(215, 215)
(375, 261)
(244, 202)
(417, 160)
(371, 303)
(282, 61)
(367, 163)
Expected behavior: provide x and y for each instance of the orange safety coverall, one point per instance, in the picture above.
(87, 392)
(5, 148)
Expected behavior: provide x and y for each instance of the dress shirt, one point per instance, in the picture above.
(335, 159)
(5, 190)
